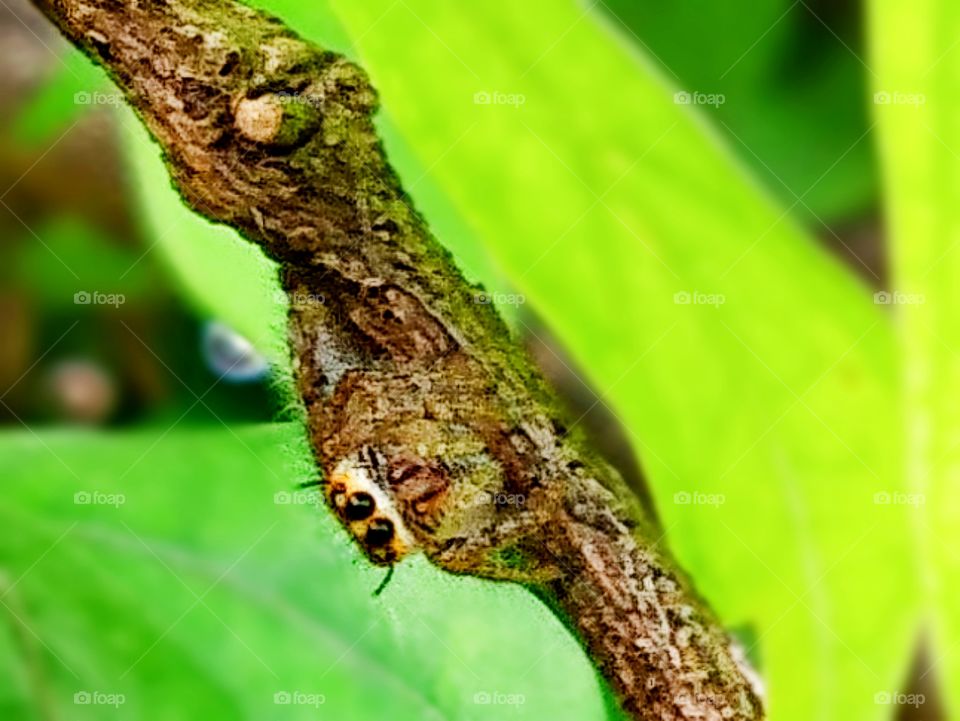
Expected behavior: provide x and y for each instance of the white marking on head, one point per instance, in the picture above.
(349, 478)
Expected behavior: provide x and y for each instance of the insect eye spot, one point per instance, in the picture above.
(337, 494)
(359, 506)
(379, 532)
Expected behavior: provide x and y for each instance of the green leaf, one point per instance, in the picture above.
(793, 85)
(916, 61)
(170, 570)
(742, 359)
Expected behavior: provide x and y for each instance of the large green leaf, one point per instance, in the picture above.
(164, 567)
(917, 106)
(611, 207)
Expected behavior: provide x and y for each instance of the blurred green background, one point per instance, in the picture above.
(728, 234)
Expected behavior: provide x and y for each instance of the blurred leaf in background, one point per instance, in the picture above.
(916, 59)
(794, 85)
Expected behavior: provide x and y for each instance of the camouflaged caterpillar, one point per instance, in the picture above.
(361, 491)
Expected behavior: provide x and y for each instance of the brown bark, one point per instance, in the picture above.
(433, 430)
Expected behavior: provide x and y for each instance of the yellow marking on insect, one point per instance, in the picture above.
(369, 513)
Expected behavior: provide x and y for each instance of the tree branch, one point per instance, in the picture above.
(433, 430)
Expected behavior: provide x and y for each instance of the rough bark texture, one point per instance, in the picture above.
(433, 430)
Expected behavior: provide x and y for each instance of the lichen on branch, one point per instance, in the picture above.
(433, 430)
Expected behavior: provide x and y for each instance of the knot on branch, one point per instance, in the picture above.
(282, 120)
